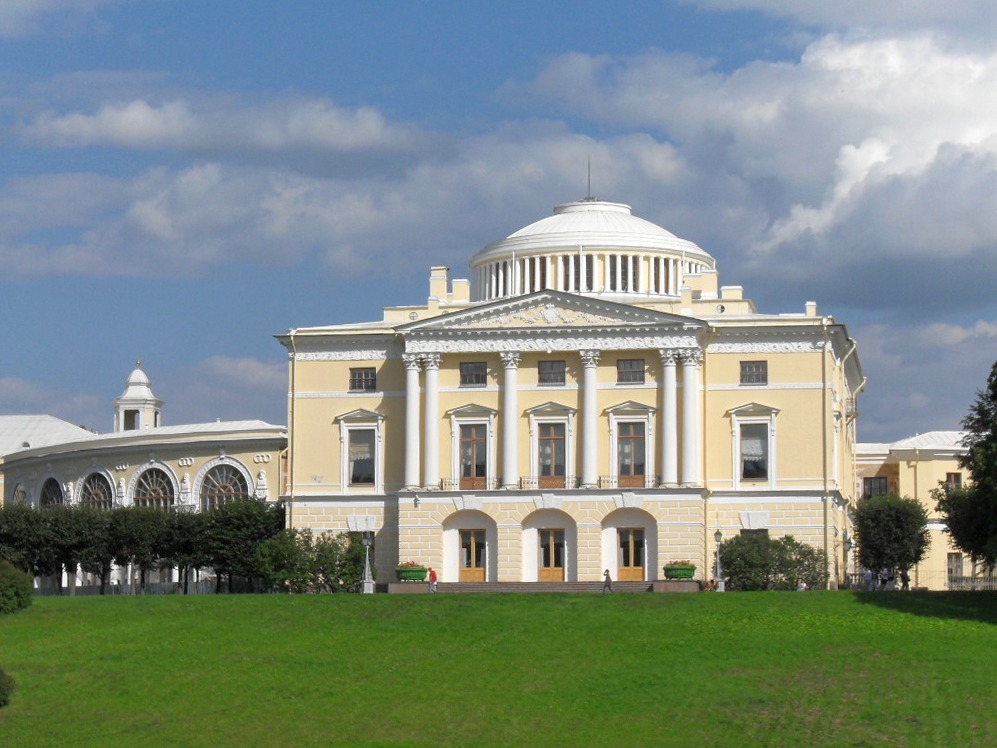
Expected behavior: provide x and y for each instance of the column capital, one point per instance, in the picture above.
(692, 356)
(668, 356)
(431, 360)
(590, 358)
(412, 361)
(510, 359)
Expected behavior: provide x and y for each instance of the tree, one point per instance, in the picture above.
(233, 533)
(138, 535)
(891, 532)
(970, 514)
(99, 553)
(69, 536)
(184, 544)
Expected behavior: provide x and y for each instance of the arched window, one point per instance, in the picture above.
(155, 489)
(222, 483)
(96, 492)
(51, 493)
(20, 495)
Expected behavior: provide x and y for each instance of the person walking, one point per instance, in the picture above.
(607, 582)
(432, 579)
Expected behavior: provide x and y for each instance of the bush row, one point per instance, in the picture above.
(758, 562)
(232, 539)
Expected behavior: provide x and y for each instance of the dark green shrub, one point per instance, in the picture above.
(6, 688)
(758, 562)
(15, 588)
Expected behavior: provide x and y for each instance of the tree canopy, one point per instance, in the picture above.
(891, 532)
(970, 513)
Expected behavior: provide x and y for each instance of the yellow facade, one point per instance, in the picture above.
(572, 410)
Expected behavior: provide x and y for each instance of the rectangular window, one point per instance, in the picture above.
(754, 372)
(953, 481)
(954, 565)
(754, 451)
(473, 456)
(550, 373)
(630, 371)
(551, 454)
(361, 456)
(630, 454)
(363, 379)
(473, 374)
(875, 486)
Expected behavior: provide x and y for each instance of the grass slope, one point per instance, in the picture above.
(700, 670)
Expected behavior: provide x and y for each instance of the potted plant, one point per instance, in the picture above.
(680, 569)
(410, 571)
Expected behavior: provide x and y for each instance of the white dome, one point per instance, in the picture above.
(138, 386)
(608, 235)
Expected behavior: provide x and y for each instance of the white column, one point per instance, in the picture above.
(571, 273)
(583, 272)
(412, 366)
(549, 280)
(590, 404)
(510, 420)
(690, 416)
(606, 274)
(431, 466)
(669, 421)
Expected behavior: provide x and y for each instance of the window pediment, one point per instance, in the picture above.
(360, 415)
(551, 409)
(630, 408)
(753, 410)
(472, 410)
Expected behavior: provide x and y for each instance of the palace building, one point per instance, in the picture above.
(592, 398)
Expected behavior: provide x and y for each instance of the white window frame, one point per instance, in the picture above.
(361, 420)
(632, 412)
(472, 415)
(555, 413)
(751, 414)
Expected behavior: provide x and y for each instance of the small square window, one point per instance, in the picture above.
(630, 371)
(953, 481)
(473, 374)
(550, 373)
(754, 372)
(875, 486)
(363, 379)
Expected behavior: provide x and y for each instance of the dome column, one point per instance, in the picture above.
(510, 419)
(590, 452)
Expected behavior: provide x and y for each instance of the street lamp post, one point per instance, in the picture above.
(721, 586)
(368, 577)
(848, 557)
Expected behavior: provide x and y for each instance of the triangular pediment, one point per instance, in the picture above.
(472, 410)
(753, 409)
(630, 407)
(360, 415)
(551, 409)
(552, 309)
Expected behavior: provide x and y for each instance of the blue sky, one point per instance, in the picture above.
(181, 180)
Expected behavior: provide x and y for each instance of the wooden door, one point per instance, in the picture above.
(630, 561)
(472, 555)
(550, 557)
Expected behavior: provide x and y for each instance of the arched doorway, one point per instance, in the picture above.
(470, 547)
(629, 545)
(550, 547)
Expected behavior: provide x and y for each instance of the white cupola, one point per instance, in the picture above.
(137, 408)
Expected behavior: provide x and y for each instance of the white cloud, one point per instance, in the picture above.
(228, 126)
(965, 16)
(21, 17)
(21, 396)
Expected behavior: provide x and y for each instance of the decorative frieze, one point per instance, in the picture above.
(560, 343)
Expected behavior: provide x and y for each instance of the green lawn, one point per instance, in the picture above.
(781, 669)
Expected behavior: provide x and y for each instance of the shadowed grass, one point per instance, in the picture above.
(734, 669)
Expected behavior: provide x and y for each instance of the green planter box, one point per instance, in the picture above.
(679, 571)
(411, 573)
